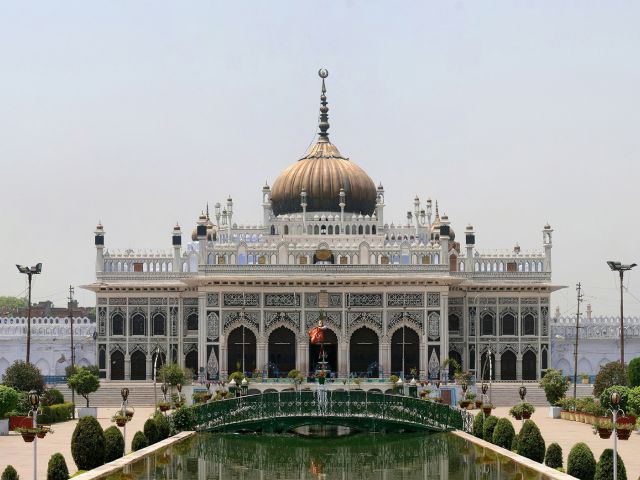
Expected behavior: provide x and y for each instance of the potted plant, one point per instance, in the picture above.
(487, 407)
(43, 430)
(8, 400)
(555, 387)
(624, 430)
(516, 411)
(129, 412)
(464, 403)
(585, 378)
(28, 433)
(527, 410)
(437, 399)
(425, 393)
(119, 418)
(322, 377)
(164, 406)
(85, 382)
(603, 427)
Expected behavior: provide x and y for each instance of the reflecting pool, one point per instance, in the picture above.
(360, 456)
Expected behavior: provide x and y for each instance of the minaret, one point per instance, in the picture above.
(176, 241)
(470, 240)
(547, 243)
(416, 214)
(303, 204)
(342, 204)
(380, 206)
(324, 109)
(230, 214)
(444, 239)
(99, 243)
(266, 204)
(201, 230)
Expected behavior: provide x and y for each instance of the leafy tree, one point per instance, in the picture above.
(634, 401)
(114, 444)
(10, 473)
(8, 400)
(553, 457)
(139, 442)
(554, 385)
(487, 429)
(183, 419)
(57, 468)
(634, 372)
(172, 373)
(23, 377)
(88, 444)
(84, 382)
(581, 462)
(13, 303)
(503, 433)
(530, 442)
(52, 396)
(604, 468)
(612, 373)
(605, 396)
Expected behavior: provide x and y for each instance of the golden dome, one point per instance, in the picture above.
(212, 232)
(321, 173)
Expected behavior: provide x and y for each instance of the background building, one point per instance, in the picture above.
(395, 297)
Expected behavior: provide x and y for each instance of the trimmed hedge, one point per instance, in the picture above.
(530, 442)
(514, 444)
(634, 402)
(162, 423)
(88, 444)
(581, 462)
(139, 441)
(57, 468)
(114, 444)
(487, 429)
(52, 396)
(633, 371)
(478, 423)
(604, 469)
(503, 433)
(553, 457)
(10, 473)
(151, 431)
(183, 419)
(56, 413)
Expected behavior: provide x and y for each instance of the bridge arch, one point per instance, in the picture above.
(282, 350)
(364, 356)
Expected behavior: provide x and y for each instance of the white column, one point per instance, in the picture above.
(444, 327)
(202, 331)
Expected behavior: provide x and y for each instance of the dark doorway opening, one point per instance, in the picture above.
(363, 353)
(409, 338)
(282, 350)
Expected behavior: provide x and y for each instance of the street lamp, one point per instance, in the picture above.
(619, 267)
(29, 272)
(522, 391)
(34, 400)
(124, 393)
(615, 403)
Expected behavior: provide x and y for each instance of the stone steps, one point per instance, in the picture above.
(108, 395)
(506, 394)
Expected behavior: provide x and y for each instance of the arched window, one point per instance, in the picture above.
(316, 230)
(286, 229)
(508, 324)
(137, 324)
(367, 230)
(477, 267)
(117, 324)
(539, 266)
(337, 229)
(347, 230)
(487, 324)
(330, 230)
(273, 230)
(500, 267)
(528, 324)
(373, 229)
(158, 324)
(192, 322)
(360, 230)
(462, 266)
(454, 324)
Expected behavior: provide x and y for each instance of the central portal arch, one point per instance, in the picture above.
(330, 348)
(241, 349)
(282, 350)
(363, 353)
(409, 338)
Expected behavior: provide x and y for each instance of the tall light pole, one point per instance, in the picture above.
(619, 267)
(29, 272)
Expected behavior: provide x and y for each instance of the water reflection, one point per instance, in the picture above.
(362, 456)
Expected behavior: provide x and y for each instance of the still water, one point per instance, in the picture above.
(360, 456)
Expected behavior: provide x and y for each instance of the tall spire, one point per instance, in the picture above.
(324, 110)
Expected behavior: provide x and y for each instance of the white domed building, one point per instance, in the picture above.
(394, 296)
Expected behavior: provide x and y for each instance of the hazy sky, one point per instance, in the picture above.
(137, 113)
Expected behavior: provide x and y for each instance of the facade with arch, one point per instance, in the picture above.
(394, 295)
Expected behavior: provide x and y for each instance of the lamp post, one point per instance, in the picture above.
(124, 393)
(615, 403)
(34, 400)
(620, 268)
(400, 386)
(29, 272)
(244, 387)
(522, 391)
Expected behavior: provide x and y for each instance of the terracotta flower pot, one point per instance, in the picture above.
(518, 417)
(605, 433)
(121, 422)
(526, 415)
(163, 408)
(28, 436)
(623, 433)
(487, 410)
(43, 433)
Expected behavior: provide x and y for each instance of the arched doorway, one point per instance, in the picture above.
(191, 361)
(487, 366)
(409, 338)
(282, 350)
(117, 365)
(138, 366)
(454, 356)
(363, 353)
(237, 355)
(529, 365)
(155, 367)
(330, 349)
(508, 366)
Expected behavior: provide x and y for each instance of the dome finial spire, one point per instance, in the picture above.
(324, 109)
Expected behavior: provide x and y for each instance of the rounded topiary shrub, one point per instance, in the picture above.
(487, 429)
(162, 423)
(633, 371)
(503, 433)
(183, 419)
(581, 462)
(88, 444)
(114, 444)
(604, 468)
(553, 457)
(10, 473)
(478, 423)
(530, 442)
(151, 431)
(57, 468)
(514, 443)
(139, 441)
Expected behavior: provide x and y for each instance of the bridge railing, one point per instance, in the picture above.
(398, 409)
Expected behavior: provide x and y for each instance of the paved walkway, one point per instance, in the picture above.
(567, 433)
(15, 451)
